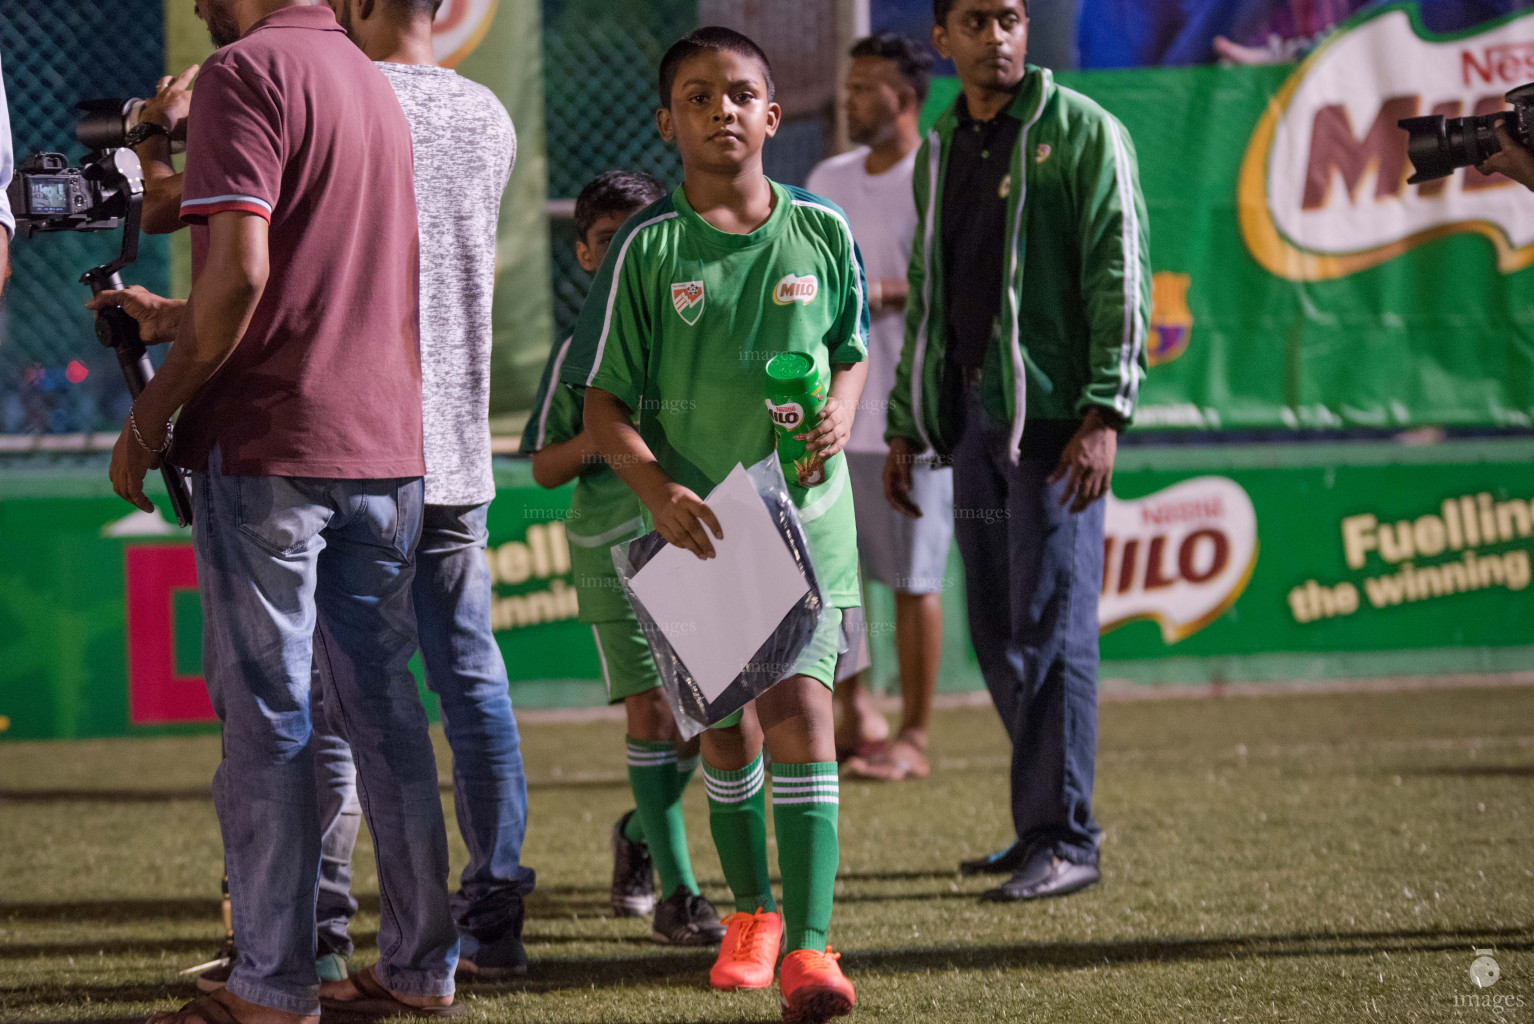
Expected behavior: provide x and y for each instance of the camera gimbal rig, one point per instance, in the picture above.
(48, 195)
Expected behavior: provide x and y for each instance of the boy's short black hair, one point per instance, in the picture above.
(711, 39)
(942, 8)
(911, 58)
(614, 192)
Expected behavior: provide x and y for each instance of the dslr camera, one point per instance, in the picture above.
(1438, 146)
(47, 194)
(104, 193)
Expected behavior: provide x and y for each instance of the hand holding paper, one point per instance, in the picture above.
(680, 516)
(717, 614)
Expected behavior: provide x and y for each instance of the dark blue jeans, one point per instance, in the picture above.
(1032, 573)
(294, 572)
(451, 595)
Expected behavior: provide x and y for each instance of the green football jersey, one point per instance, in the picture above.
(681, 323)
(603, 511)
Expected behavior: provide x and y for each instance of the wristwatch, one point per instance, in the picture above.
(143, 132)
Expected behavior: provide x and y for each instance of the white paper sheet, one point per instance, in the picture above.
(718, 613)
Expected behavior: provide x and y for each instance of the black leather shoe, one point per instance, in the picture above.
(1045, 875)
(1002, 862)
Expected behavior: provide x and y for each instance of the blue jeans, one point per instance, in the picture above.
(452, 594)
(294, 571)
(1032, 573)
(340, 820)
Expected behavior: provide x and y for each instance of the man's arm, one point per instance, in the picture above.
(5, 258)
(678, 513)
(169, 108)
(159, 318)
(1115, 287)
(224, 297)
(1115, 270)
(1514, 161)
(887, 293)
(902, 432)
(902, 419)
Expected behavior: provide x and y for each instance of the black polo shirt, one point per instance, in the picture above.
(975, 230)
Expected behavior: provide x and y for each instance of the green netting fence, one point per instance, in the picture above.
(54, 376)
(600, 59)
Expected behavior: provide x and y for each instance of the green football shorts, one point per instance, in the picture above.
(627, 665)
(837, 638)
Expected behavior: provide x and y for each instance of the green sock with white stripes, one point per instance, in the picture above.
(658, 808)
(686, 768)
(737, 816)
(805, 799)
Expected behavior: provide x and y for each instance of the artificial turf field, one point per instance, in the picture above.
(1307, 858)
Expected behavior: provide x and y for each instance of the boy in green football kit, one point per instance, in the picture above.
(604, 512)
(697, 294)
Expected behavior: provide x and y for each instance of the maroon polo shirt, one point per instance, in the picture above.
(294, 124)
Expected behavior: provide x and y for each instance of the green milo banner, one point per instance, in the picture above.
(1239, 563)
(1299, 281)
(1315, 561)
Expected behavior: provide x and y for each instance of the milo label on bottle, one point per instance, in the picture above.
(795, 397)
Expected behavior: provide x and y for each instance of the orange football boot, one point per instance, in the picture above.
(813, 987)
(749, 952)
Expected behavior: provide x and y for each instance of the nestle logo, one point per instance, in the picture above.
(1508, 63)
(1202, 510)
(787, 416)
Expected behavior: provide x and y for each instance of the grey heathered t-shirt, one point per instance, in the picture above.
(465, 147)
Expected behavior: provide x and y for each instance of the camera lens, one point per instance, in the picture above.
(1472, 140)
(1428, 147)
(104, 123)
(1438, 148)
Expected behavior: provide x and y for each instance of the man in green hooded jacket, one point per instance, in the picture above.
(1024, 354)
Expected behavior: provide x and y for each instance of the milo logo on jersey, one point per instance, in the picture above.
(1323, 191)
(687, 300)
(794, 288)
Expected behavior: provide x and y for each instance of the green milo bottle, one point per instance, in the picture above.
(795, 396)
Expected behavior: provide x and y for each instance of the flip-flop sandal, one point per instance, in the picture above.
(903, 767)
(205, 1008)
(863, 750)
(375, 1002)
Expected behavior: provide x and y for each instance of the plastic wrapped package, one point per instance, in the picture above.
(688, 695)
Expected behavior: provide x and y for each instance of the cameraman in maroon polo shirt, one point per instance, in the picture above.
(297, 374)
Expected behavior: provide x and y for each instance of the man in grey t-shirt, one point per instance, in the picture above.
(464, 150)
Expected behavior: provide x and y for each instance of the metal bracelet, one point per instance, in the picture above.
(133, 426)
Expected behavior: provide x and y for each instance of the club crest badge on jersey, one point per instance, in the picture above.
(794, 288)
(687, 298)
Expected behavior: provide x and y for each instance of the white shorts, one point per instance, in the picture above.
(910, 556)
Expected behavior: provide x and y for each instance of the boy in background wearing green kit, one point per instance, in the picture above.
(697, 294)
(603, 511)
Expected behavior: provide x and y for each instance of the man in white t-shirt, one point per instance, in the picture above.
(886, 87)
